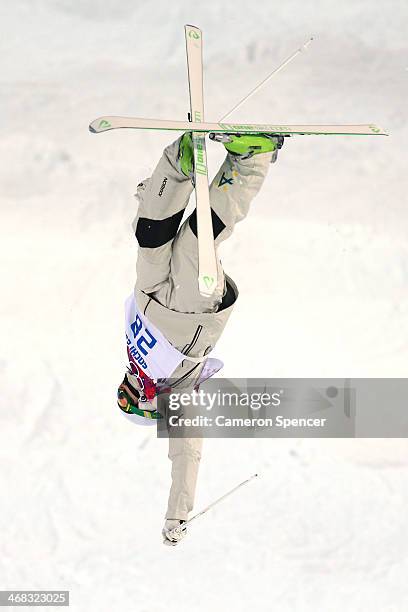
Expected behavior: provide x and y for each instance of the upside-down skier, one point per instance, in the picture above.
(171, 327)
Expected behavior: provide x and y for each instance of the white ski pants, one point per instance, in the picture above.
(167, 266)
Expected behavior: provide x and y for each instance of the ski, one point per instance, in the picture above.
(207, 259)
(104, 124)
(207, 272)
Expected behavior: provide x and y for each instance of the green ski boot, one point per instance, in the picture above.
(185, 156)
(247, 145)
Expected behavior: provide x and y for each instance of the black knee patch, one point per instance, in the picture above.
(228, 299)
(153, 233)
(217, 224)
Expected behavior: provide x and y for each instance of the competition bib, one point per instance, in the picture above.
(152, 352)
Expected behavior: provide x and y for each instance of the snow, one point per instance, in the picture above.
(321, 260)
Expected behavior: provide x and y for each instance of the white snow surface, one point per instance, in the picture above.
(321, 262)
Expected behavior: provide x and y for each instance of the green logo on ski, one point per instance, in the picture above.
(194, 34)
(209, 281)
(200, 159)
(374, 129)
(104, 124)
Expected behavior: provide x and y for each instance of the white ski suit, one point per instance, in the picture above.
(166, 288)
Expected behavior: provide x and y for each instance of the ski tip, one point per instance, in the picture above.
(192, 31)
(375, 129)
(100, 125)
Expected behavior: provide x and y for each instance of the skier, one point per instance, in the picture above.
(167, 311)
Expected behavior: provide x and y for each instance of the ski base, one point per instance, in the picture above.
(104, 124)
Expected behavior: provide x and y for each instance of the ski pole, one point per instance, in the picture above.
(266, 79)
(214, 503)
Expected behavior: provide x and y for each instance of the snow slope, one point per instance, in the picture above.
(322, 258)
